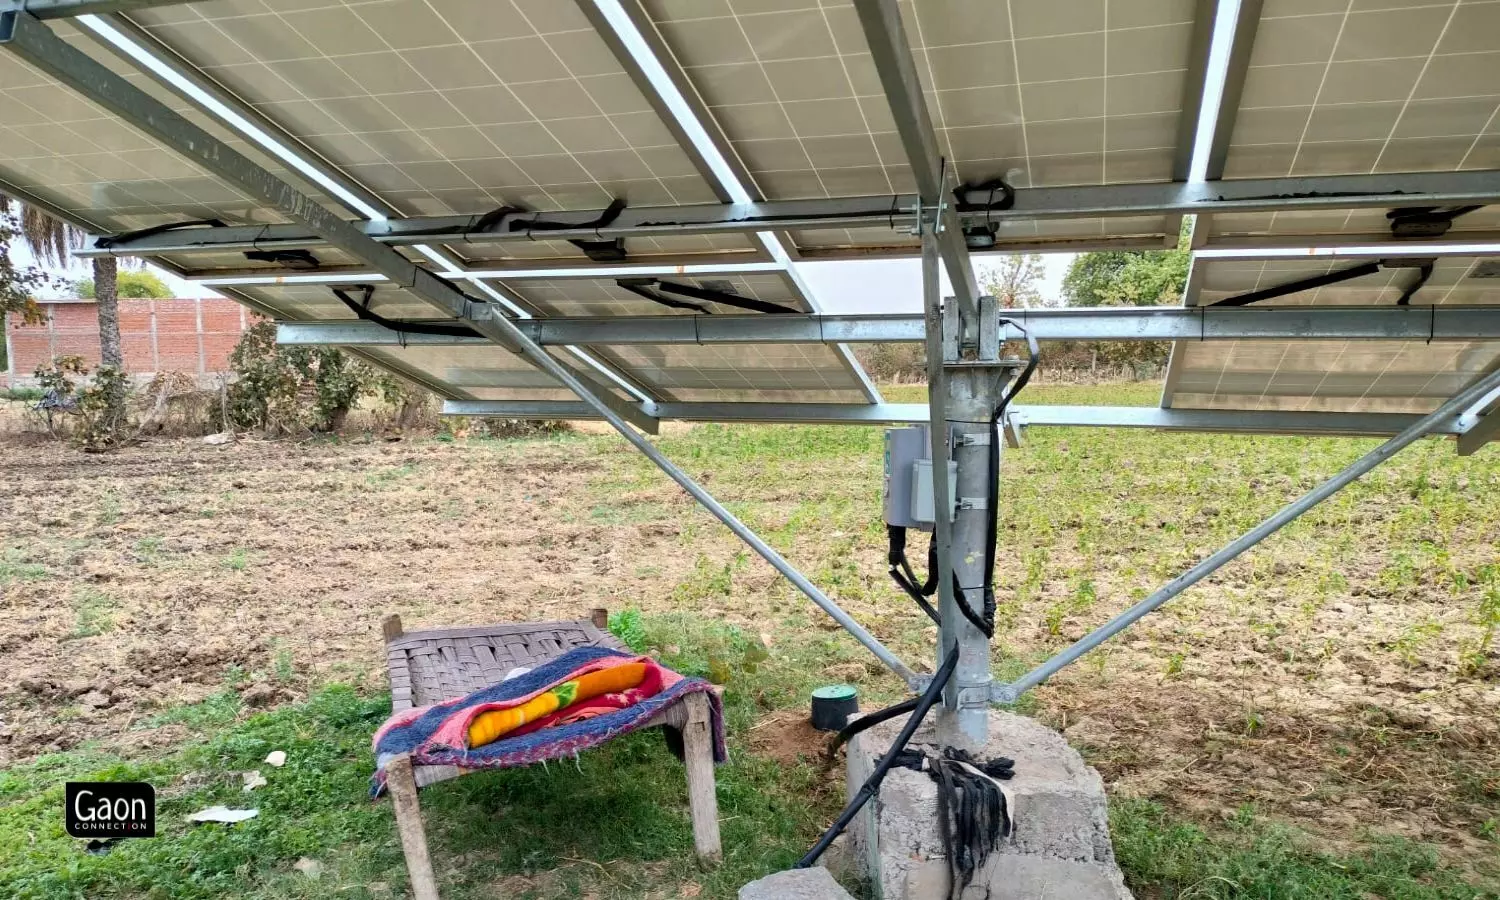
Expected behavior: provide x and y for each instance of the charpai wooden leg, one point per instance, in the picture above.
(401, 781)
(703, 802)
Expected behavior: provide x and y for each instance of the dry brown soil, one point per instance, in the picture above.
(138, 581)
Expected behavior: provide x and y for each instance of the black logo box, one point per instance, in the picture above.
(109, 809)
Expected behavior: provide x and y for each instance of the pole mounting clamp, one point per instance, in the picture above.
(975, 695)
(973, 503)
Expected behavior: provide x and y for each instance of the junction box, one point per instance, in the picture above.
(909, 501)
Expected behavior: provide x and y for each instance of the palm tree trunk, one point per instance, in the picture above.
(106, 294)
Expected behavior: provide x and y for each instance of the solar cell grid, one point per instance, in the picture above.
(1037, 92)
(454, 107)
(738, 372)
(89, 163)
(1366, 86)
(1363, 376)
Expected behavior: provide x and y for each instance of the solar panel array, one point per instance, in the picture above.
(417, 108)
(1342, 88)
(1331, 376)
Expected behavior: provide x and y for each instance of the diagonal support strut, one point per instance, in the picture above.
(1008, 693)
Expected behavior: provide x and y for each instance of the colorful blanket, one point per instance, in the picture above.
(525, 719)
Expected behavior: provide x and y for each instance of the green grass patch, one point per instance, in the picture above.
(15, 567)
(1252, 859)
(238, 560)
(93, 612)
(622, 806)
(215, 711)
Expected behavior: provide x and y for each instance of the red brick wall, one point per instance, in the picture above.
(192, 336)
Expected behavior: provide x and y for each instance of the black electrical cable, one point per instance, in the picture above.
(992, 506)
(866, 722)
(104, 243)
(641, 287)
(872, 784)
(605, 218)
(905, 578)
(724, 297)
(1424, 272)
(363, 311)
(292, 259)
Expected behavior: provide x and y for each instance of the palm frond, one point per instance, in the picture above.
(50, 239)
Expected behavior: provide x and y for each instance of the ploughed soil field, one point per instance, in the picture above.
(1343, 677)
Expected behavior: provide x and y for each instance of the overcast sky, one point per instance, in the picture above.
(895, 285)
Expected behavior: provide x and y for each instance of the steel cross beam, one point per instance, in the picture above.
(33, 41)
(1132, 323)
(1221, 421)
(1008, 693)
(894, 212)
(881, 21)
(1089, 201)
(63, 9)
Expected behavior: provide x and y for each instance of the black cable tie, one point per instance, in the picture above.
(469, 229)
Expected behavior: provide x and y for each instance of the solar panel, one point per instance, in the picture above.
(401, 108)
(310, 302)
(1036, 92)
(458, 107)
(1338, 88)
(783, 373)
(101, 171)
(478, 371)
(1332, 376)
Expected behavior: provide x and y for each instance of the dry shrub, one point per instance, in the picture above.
(472, 426)
(174, 403)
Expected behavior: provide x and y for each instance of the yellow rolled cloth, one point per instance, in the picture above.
(494, 724)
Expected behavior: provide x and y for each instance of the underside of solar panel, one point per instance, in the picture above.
(630, 159)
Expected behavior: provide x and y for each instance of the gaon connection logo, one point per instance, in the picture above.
(109, 809)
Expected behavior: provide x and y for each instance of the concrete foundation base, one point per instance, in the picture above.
(795, 884)
(1060, 847)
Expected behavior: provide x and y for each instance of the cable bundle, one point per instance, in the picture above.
(974, 810)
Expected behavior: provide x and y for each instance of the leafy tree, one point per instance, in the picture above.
(50, 240)
(1013, 280)
(137, 285)
(1128, 278)
(17, 283)
(287, 390)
